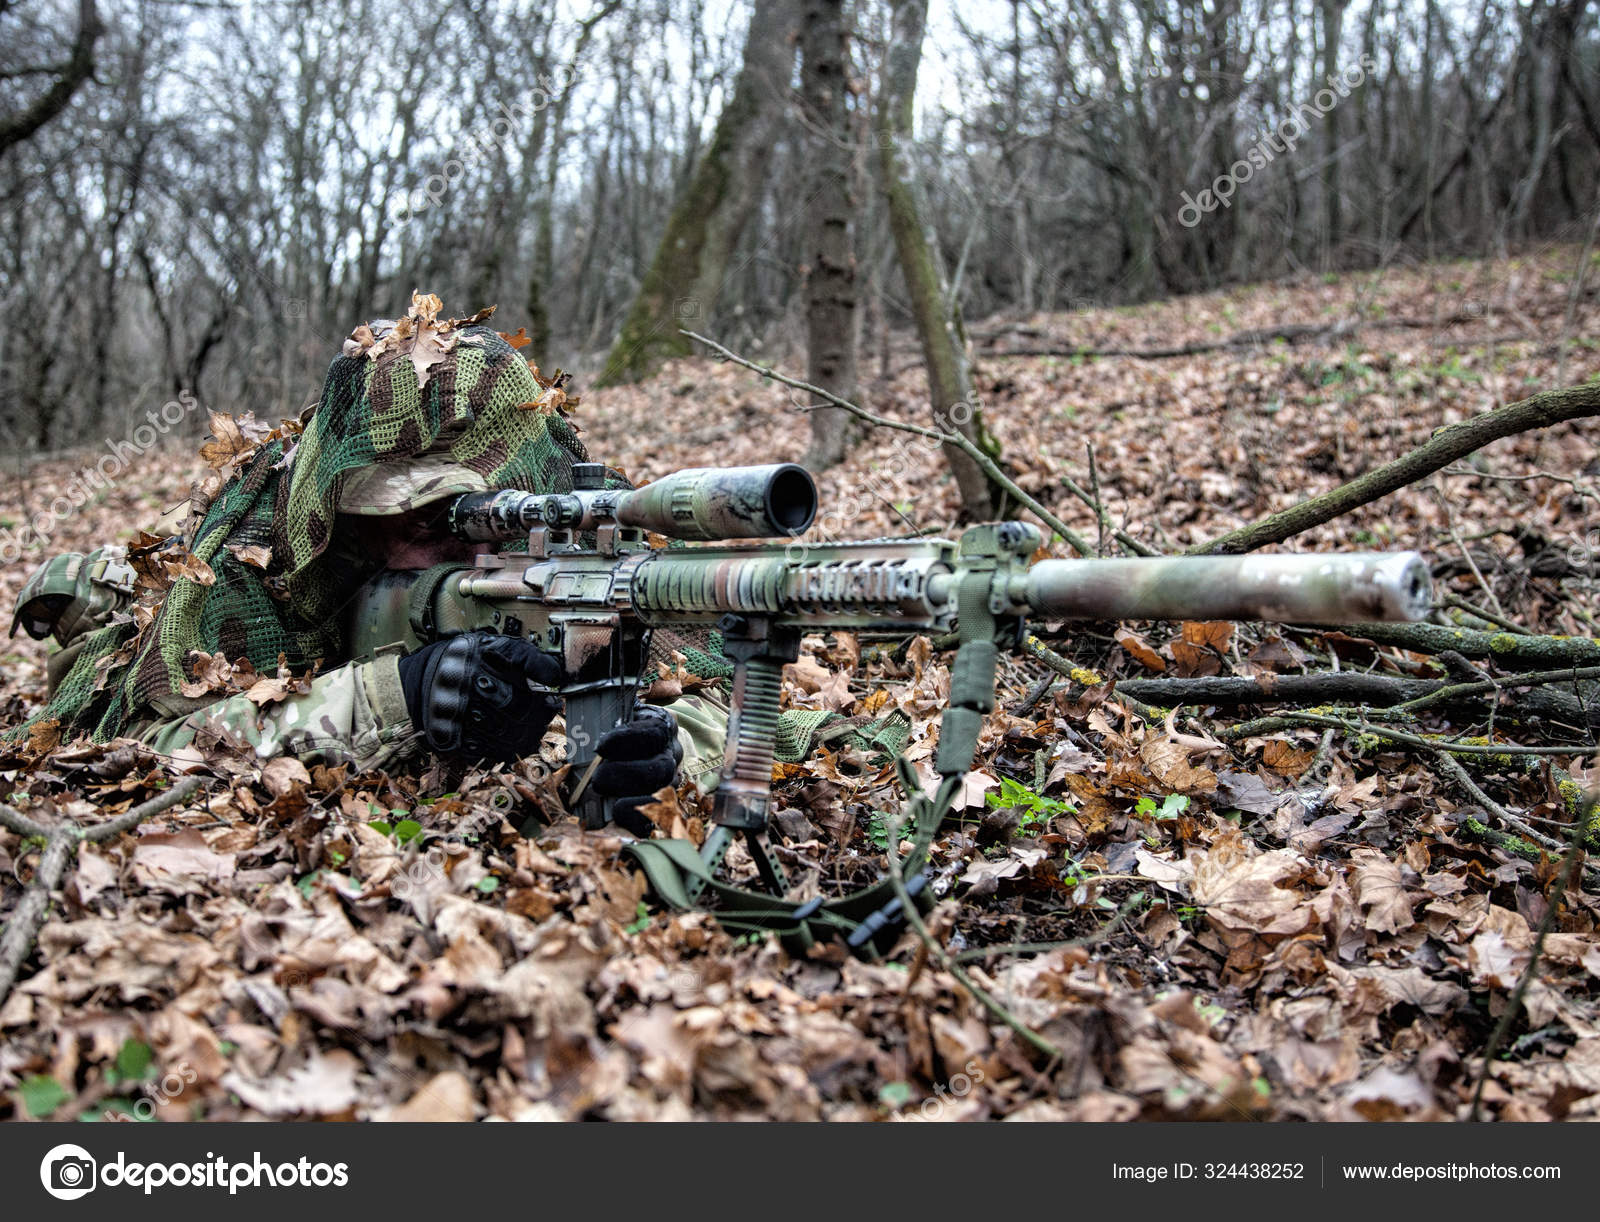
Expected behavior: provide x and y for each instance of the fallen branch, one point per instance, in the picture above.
(1506, 648)
(1378, 691)
(61, 842)
(1443, 448)
(1289, 721)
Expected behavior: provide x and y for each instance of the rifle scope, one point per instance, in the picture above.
(703, 503)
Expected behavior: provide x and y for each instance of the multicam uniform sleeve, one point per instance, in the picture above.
(68, 597)
(703, 733)
(355, 714)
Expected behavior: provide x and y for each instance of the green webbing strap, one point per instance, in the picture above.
(670, 864)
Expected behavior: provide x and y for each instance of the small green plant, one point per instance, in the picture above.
(132, 1063)
(405, 831)
(894, 1095)
(1173, 805)
(1074, 876)
(42, 1094)
(878, 831)
(641, 921)
(1037, 810)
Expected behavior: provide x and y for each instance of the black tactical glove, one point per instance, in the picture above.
(637, 758)
(469, 695)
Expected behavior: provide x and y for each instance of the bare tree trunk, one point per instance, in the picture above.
(938, 318)
(685, 277)
(1332, 205)
(554, 141)
(831, 282)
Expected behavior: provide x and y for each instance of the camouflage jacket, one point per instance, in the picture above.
(355, 713)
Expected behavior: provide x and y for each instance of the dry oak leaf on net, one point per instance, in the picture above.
(156, 566)
(553, 397)
(420, 334)
(213, 673)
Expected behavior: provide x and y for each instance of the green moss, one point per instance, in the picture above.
(1503, 642)
(1571, 795)
(1503, 840)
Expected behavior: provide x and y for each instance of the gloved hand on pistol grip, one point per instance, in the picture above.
(637, 758)
(469, 695)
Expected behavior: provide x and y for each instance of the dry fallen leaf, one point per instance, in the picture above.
(1380, 891)
(324, 1086)
(445, 1097)
(1139, 650)
(1285, 759)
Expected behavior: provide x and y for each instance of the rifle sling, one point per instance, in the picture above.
(669, 865)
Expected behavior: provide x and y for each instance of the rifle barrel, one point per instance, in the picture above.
(1302, 588)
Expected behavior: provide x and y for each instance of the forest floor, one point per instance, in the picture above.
(1295, 923)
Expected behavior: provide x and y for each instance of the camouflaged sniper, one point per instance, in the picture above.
(471, 407)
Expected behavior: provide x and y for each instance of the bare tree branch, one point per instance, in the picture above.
(73, 73)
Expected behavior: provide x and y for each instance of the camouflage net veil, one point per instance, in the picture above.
(396, 392)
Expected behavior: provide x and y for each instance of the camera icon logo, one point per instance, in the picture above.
(68, 1172)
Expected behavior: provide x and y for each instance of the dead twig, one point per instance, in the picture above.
(1569, 867)
(61, 842)
(942, 957)
(1074, 540)
(1452, 767)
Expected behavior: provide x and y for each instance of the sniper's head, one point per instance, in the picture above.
(412, 414)
(393, 515)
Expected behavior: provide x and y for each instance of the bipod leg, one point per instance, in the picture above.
(772, 875)
(712, 852)
(720, 839)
